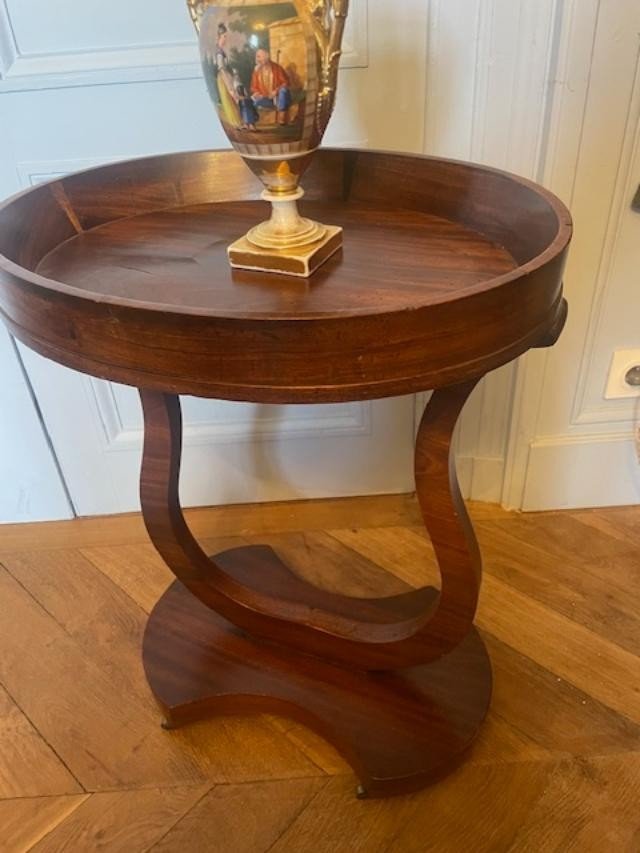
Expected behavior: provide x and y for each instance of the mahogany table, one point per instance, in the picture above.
(448, 271)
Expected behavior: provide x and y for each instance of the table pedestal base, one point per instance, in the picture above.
(399, 730)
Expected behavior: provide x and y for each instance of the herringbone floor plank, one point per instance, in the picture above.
(84, 765)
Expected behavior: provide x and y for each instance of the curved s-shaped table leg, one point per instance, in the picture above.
(398, 727)
(253, 589)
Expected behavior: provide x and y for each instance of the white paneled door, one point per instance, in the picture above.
(546, 88)
(574, 445)
(88, 82)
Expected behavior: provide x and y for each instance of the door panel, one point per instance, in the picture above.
(234, 452)
(571, 446)
(31, 487)
(95, 83)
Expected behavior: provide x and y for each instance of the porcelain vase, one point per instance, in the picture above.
(271, 68)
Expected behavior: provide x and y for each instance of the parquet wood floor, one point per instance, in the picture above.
(85, 766)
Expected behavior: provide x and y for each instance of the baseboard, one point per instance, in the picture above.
(481, 477)
(571, 472)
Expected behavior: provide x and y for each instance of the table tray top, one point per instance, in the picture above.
(176, 259)
(447, 269)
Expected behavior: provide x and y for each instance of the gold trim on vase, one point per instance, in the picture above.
(275, 114)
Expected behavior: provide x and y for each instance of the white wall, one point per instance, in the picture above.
(94, 83)
(570, 446)
(546, 88)
(551, 89)
(489, 66)
(31, 488)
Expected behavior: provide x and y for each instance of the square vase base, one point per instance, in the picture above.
(301, 261)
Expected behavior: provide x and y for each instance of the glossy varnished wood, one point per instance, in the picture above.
(555, 767)
(120, 272)
(398, 730)
(177, 259)
(194, 658)
(271, 603)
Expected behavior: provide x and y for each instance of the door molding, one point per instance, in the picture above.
(254, 422)
(501, 119)
(570, 464)
(169, 60)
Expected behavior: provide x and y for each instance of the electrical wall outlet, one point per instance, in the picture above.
(623, 360)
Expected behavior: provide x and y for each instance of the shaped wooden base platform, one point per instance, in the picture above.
(399, 730)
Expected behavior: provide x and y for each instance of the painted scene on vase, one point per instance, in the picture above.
(255, 61)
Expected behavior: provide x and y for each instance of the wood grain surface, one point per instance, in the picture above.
(254, 590)
(400, 730)
(556, 767)
(177, 259)
(121, 272)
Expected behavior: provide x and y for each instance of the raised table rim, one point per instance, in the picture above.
(560, 242)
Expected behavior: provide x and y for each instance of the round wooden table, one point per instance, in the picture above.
(448, 271)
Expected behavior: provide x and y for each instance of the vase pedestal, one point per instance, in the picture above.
(287, 243)
(301, 261)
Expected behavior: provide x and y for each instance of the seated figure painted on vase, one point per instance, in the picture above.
(270, 86)
(256, 60)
